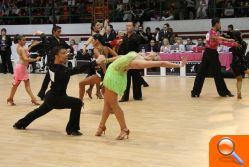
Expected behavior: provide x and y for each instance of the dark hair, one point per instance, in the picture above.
(147, 29)
(230, 26)
(3, 29)
(153, 39)
(111, 26)
(55, 28)
(17, 37)
(158, 28)
(166, 24)
(56, 50)
(99, 38)
(215, 21)
(93, 25)
(133, 23)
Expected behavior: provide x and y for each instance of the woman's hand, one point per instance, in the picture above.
(100, 59)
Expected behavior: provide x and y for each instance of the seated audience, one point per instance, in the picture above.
(190, 42)
(200, 42)
(152, 47)
(165, 47)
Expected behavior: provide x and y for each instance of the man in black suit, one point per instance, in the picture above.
(109, 35)
(53, 41)
(152, 47)
(5, 51)
(166, 32)
(131, 42)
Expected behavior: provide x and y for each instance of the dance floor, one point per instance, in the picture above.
(168, 128)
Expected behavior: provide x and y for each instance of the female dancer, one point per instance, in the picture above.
(97, 75)
(56, 97)
(96, 29)
(20, 71)
(115, 84)
(239, 64)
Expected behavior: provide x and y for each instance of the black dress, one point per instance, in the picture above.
(57, 98)
(239, 64)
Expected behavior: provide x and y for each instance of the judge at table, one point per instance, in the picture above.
(152, 47)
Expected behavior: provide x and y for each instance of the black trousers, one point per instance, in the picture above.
(210, 60)
(136, 83)
(6, 60)
(44, 86)
(54, 101)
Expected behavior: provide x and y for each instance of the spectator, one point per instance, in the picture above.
(229, 9)
(74, 45)
(148, 33)
(200, 42)
(191, 11)
(229, 34)
(156, 34)
(202, 9)
(220, 8)
(179, 43)
(165, 47)
(152, 47)
(167, 32)
(112, 30)
(109, 35)
(169, 14)
(142, 35)
(190, 42)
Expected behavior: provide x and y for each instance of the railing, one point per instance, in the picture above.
(73, 14)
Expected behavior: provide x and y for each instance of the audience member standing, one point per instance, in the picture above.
(5, 51)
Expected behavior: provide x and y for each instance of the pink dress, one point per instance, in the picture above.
(20, 73)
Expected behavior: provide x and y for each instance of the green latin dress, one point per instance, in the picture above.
(116, 74)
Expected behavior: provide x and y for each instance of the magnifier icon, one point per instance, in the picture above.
(226, 147)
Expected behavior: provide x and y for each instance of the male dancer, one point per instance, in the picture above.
(54, 41)
(56, 97)
(131, 42)
(210, 60)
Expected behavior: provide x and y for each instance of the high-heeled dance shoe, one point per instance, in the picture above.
(239, 96)
(124, 133)
(35, 102)
(101, 130)
(11, 102)
(99, 96)
(89, 93)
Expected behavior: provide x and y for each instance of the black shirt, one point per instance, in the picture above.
(60, 75)
(53, 42)
(5, 45)
(129, 44)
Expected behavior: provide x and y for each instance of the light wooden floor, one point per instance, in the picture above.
(168, 128)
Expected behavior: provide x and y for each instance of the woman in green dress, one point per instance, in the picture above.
(115, 84)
